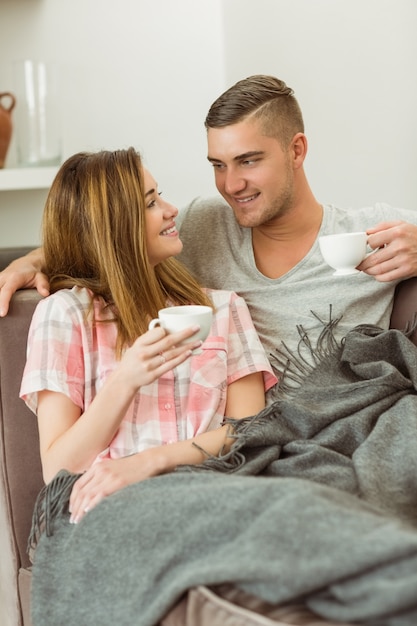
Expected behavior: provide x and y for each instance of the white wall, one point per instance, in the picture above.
(144, 72)
(353, 67)
(134, 72)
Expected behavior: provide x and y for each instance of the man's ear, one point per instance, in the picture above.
(299, 149)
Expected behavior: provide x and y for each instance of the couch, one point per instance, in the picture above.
(21, 480)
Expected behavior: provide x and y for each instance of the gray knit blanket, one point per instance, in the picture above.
(316, 502)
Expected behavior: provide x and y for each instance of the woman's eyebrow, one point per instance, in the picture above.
(152, 191)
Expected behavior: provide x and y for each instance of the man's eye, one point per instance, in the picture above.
(218, 166)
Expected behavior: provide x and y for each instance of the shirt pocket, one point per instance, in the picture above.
(209, 368)
(208, 386)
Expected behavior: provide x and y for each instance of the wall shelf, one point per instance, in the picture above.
(21, 178)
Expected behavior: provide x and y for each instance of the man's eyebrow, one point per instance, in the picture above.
(239, 157)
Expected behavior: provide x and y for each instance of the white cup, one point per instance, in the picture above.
(177, 318)
(344, 251)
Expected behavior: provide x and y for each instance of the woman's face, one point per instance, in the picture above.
(162, 238)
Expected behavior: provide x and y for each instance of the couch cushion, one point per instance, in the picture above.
(229, 606)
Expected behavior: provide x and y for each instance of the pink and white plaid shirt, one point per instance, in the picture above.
(70, 354)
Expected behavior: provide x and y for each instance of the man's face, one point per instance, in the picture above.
(252, 172)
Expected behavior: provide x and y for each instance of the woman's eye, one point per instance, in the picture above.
(152, 203)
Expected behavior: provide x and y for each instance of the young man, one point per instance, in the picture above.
(263, 241)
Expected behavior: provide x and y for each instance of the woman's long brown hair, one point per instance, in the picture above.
(94, 236)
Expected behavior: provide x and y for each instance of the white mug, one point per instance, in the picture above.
(344, 251)
(175, 318)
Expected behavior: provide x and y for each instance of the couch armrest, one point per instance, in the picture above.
(20, 467)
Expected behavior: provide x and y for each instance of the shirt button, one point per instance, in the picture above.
(168, 406)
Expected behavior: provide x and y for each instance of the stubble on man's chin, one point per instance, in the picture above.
(268, 217)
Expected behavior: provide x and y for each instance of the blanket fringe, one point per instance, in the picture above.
(229, 462)
(241, 430)
(51, 501)
(293, 366)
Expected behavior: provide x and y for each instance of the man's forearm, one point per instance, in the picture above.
(37, 259)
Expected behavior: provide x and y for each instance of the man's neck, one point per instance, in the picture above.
(280, 246)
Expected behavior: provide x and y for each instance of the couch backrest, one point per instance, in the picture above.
(7, 255)
(405, 306)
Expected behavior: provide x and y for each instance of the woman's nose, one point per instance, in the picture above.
(170, 210)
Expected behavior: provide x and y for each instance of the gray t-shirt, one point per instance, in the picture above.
(219, 253)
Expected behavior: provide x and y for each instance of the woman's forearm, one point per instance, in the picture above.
(75, 440)
(166, 458)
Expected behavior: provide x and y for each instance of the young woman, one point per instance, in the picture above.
(115, 401)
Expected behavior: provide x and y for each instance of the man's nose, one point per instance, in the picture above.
(234, 182)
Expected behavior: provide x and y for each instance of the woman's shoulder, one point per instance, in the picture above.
(76, 296)
(65, 303)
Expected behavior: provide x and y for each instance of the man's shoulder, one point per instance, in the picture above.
(367, 216)
(396, 213)
(201, 204)
(204, 210)
(210, 235)
(209, 224)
